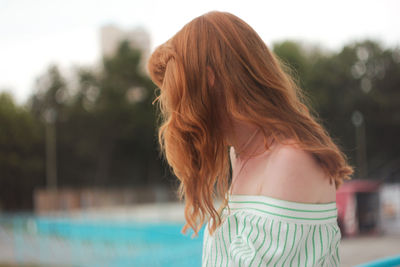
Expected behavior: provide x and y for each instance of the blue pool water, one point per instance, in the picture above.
(84, 242)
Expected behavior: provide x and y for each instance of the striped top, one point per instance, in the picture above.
(265, 231)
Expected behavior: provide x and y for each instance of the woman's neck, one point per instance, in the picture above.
(247, 140)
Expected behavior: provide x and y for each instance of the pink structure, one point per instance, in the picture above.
(358, 207)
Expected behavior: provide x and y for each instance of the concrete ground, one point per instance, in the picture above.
(358, 250)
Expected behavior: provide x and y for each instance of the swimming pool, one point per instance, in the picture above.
(63, 241)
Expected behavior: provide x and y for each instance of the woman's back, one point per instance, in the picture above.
(282, 213)
(264, 231)
(284, 172)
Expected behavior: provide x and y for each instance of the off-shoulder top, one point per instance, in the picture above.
(264, 231)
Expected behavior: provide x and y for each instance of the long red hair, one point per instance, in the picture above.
(251, 84)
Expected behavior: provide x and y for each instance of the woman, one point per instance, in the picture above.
(227, 101)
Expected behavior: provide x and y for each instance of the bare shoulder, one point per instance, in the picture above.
(294, 174)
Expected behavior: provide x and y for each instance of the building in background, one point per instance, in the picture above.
(368, 207)
(111, 36)
(359, 207)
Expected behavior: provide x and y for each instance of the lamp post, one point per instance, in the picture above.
(51, 160)
(359, 123)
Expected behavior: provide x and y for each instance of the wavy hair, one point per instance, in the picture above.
(251, 84)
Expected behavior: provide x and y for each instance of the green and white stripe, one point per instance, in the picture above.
(264, 231)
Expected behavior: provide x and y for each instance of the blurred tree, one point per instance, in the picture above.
(292, 53)
(106, 135)
(106, 126)
(126, 121)
(49, 105)
(21, 155)
(51, 93)
(362, 76)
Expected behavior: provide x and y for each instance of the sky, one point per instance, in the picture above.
(35, 34)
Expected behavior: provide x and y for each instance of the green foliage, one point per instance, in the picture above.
(106, 128)
(362, 76)
(21, 154)
(106, 125)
